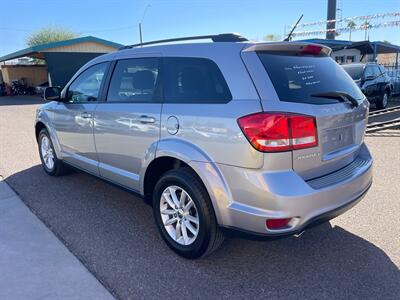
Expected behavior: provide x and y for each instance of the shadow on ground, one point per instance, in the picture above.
(114, 235)
(20, 100)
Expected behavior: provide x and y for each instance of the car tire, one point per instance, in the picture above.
(50, 163)
(383, 100)
(193, 214)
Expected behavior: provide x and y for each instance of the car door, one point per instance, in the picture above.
(369, 85)
(380, 81)
(127, 123)
(73, 119)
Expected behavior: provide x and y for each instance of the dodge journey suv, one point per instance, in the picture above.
(228, 136)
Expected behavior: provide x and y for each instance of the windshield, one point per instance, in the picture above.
(298, 78)
(355, 72)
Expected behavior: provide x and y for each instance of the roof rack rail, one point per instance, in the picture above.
(224, 37)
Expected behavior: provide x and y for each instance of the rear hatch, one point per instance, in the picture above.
(307, 81)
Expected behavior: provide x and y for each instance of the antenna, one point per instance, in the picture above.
(287, 39)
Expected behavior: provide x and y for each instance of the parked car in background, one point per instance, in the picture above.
(373, 81)
(394, 74)
(218, 137)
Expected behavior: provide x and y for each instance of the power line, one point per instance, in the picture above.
(363, 18)
(395, 23)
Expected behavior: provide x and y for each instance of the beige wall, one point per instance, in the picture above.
(345, 53)
(33, 75)
(387, 59)
(84, 47)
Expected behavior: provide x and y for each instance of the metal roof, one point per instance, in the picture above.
(333, 44)
(35, 50)
(366, 47)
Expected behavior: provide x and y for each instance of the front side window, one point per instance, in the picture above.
(194, 80)
(377, 71)
(134, 80)
(86, 86)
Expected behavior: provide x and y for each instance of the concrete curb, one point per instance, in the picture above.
(34, 263)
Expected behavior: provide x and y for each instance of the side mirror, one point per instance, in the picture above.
(52, 93)
(368, 78)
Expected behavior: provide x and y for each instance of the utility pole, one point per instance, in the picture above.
(140, 33)
(141, 21)
(331, 15)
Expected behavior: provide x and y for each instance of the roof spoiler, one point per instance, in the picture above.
(291, 47)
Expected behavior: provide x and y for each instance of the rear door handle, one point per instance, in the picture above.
(86, 115)
(147, 119)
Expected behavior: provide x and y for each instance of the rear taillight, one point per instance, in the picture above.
(311, 50)
(274, 132)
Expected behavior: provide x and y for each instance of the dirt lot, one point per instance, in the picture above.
(112, 233)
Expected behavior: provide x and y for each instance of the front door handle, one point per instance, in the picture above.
(86, 115)
(147, 119)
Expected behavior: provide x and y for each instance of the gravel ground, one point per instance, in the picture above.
(113, 234)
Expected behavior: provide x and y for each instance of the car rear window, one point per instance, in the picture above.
(297, 78)
(355, 72)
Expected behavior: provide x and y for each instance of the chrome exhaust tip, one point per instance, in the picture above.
(297, 235)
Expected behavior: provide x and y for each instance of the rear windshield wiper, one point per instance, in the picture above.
(341, 96)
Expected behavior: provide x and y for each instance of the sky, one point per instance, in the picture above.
(118, 20)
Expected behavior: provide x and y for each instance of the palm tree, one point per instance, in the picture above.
(366, 25)
(351, 25)
(271, 37)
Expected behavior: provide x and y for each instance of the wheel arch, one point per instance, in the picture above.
(388, 88)
(38, 128)
(199, 163)
(42, 124)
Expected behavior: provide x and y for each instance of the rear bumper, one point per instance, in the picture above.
(325, 217)
(259, 195)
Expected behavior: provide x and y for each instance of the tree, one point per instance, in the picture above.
(272, 37)
(49, 35)
(367, 25)
(351, 25)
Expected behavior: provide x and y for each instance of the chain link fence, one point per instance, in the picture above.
(393, 71)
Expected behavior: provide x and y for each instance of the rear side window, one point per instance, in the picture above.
(134, 80)
(194, 80)
(298, 78)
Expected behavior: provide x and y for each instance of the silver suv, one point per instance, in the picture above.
(227, 136)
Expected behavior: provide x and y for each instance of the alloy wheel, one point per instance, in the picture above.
(385, 99)
(179, 215)
(47, 152)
